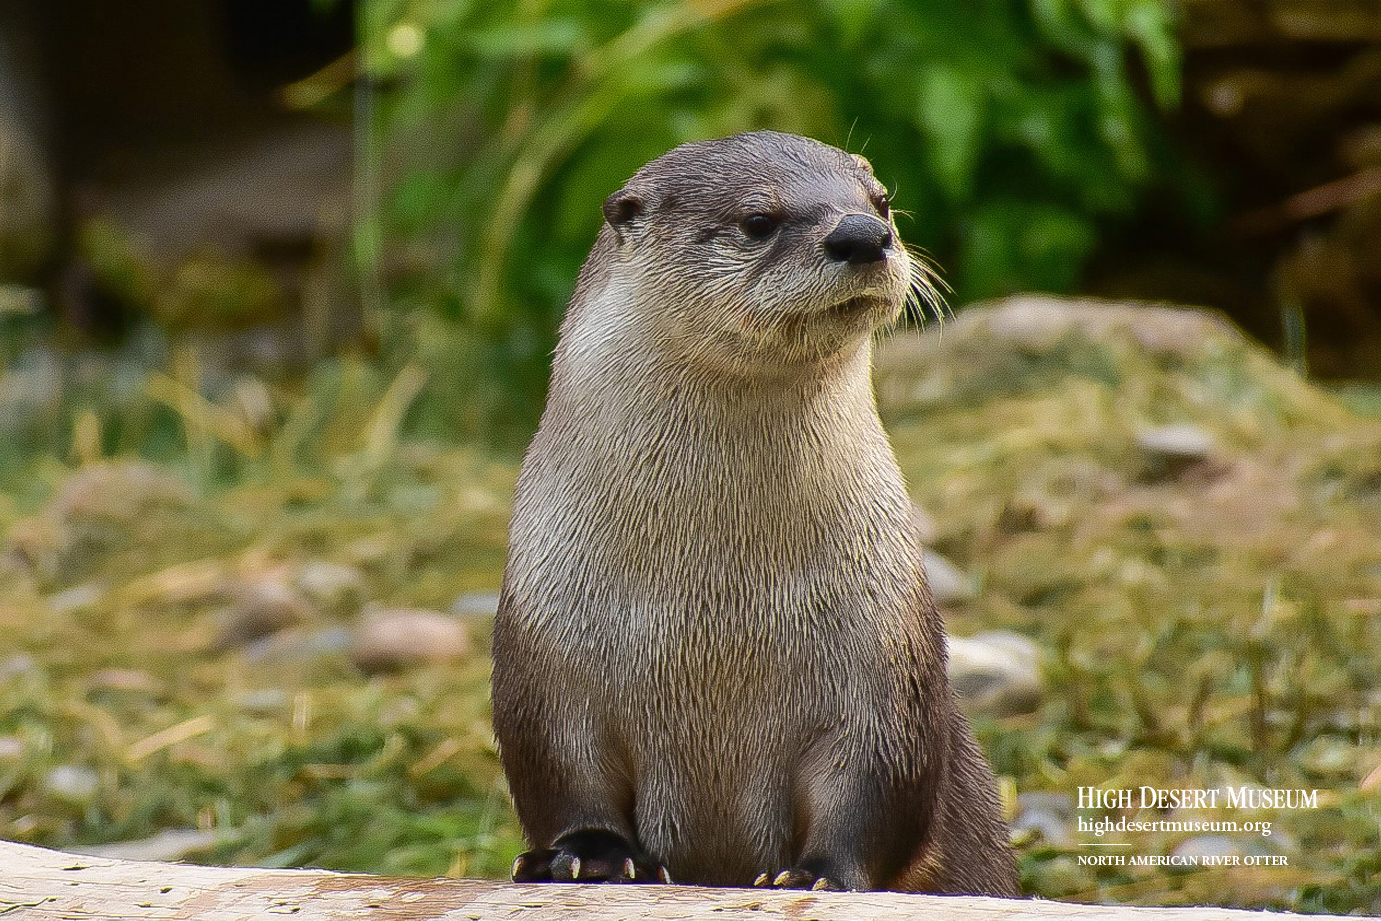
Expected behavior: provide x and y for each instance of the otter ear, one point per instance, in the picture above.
(622, 209)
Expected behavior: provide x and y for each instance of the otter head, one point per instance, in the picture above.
(759, 253)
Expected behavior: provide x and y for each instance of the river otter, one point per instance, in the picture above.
(716, 658)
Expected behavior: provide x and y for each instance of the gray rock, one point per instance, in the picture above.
(72, 783)
(475, 606)
(1050, 815)
(19, 665)
(996, 673)
(77, 598)
(263, 701)
(299, 646)
(1176, 444)
(924, 525)
(389, 640)
(169, 845)
(257, 609)
(332, 586)
(132, 681)
(948, 583)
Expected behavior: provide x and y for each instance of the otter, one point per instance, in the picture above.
(716, 657)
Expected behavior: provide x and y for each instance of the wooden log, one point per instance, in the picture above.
(38, 884)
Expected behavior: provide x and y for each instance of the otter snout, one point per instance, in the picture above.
(858, 239)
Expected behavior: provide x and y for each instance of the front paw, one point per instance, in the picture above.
(588, 857)
(796, 878)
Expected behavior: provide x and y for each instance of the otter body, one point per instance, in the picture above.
(716, 656)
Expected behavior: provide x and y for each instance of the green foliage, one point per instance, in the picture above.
(1011, 130)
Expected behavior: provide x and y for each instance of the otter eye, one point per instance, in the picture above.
(883, 204)
(758, 226)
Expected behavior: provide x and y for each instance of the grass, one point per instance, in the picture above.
(1219, 626)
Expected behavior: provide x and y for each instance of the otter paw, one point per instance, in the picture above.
(796, 878)
(588, 857)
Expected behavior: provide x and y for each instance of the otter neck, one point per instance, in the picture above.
(627, 381)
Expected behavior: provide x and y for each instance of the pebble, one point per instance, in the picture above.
(924, 525)
(172, 844)
(72, 783)
(476, 606)
(1051, 815)
(1170, 450)
(298, 646)
(389, 640)
(996, 673)
(258, 609)
(332, 586)
(948, 583)
(125, 680)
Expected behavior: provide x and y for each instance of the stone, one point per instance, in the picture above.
(299, 646)
(390, 640)
(332, 587)
(133, 681)
(996, 673)
(948, 583)
(168, 845)
(1049, 815)
(1170, 450)
(924, 525)
(257, 609)
(475, 606)
(74, 784)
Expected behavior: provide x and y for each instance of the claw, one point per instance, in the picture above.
(760, 881)
(782, 877)
(663, 875)
(575, 868)
(517, 864)
(821, 883)
(629, 869)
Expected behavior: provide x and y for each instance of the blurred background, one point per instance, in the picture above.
(279, 282)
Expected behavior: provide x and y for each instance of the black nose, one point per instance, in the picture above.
(858, 239)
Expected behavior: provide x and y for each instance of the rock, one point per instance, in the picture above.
(1050, 815)
(475, 606)
(1170, 450)
(333, 587)
(19, 665)
(263, 701)
(257, 609)
(118, 491)
(300, 646)
(389, 640)
(996, 673)
(923, 524)
(125, 681)
(169, 845)
(948, 583)
(72, 783)
(1372, 781)
(77, 598)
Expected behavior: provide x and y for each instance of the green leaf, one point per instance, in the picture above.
(952, 105)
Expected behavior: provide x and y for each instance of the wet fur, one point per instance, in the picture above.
(715, 638)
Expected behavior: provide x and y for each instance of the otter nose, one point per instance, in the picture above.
(858, 239)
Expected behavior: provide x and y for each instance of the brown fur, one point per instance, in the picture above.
(715, 645)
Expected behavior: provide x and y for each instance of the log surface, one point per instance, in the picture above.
(42, 885)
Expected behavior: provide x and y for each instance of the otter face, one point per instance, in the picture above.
(761, 250)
